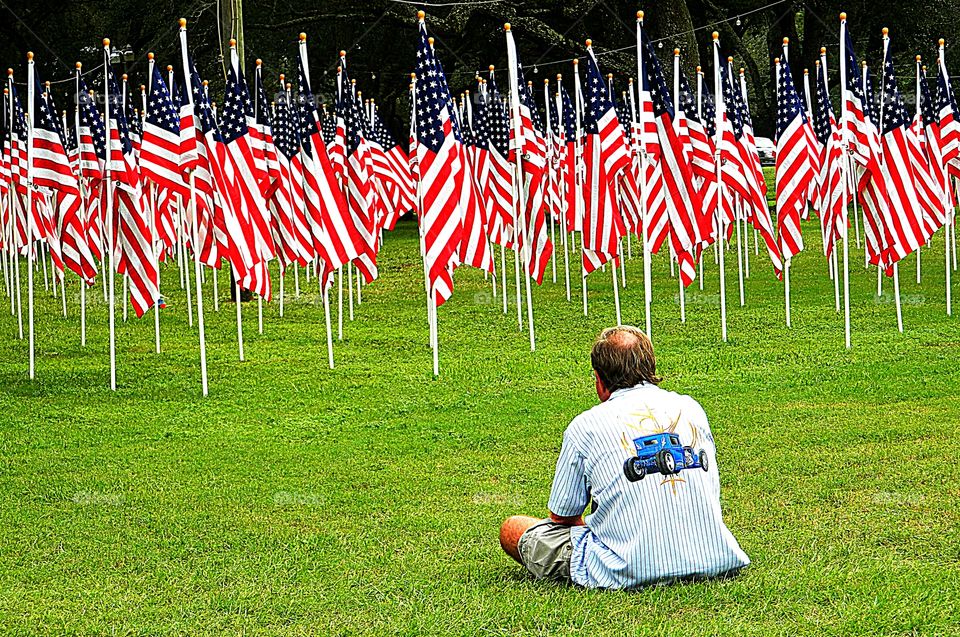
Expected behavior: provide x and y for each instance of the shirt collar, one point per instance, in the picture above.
(625, 390)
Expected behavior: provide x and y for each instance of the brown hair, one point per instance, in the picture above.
(623, 357)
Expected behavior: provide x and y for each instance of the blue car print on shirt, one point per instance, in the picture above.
(662, 453)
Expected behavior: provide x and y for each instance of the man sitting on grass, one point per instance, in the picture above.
(663, 526)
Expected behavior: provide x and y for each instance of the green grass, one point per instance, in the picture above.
(366, 500)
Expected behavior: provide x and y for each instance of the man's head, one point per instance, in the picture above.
(622, 357)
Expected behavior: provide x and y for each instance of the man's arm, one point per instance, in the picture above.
(570, 494)
(575, 520)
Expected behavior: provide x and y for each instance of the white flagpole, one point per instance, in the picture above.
(786, 260)
(83, 203)
(258, 79)
(63, 278)
(520, 202)
(551, 149)
(234, 61)
(152, 198)
(340, 68)
(896, 269)
(183, 262)
(920, 132)
(188, 87)
(125, 297)
(647, 269)
(740, 207)
(5, 246)
(178, 221)
(746, 226)
(419, 211)
(14, 256)
(633, 117)
(676, 110)
(109, 238)
(431, 296)
(29, 214)
(718, 97)
(822, 73)
(563, 217)
(700, 117)
(948, 207)
(866, 261)
(578, 157)
(324, 288)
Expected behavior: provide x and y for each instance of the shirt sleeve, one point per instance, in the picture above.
(569, 495)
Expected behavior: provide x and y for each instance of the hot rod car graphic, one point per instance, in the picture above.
(662, 453)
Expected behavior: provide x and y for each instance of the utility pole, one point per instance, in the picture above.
(231, 26)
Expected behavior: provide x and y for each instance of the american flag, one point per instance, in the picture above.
(934, 143)
(555, 151)
(794, 168)
(91, 137)
(628, 184)
(605, 156)
(392, 169)
(328, 126)
(567, 127)
(51, 169)
(742, 175)
(6, 176)
(293, 226)
(734, 168)
(500, 186)
(833, 216)
(18, 169)
(335, 236)
(160, 149)
(478, 152)
(864, 142)
(134, 238)
(927, 162)
(255, 154)
(440, 173)
(43, 200)
(949, 120)
(261, 128)
(358, 178)
(242, 190)
(532, 148)
(474, 247)
(198, 154)
(906, 223)
(701, 159)
(684, 205)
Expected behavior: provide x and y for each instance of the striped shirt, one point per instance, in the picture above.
(658, 529)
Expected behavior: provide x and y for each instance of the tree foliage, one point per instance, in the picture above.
(379, 36)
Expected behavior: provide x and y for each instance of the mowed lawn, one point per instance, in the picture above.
(365, 500)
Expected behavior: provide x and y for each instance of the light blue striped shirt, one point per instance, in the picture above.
(658, 529)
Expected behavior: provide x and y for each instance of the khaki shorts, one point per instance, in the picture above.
(545, 550)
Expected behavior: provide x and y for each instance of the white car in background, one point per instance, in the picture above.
(767, 151)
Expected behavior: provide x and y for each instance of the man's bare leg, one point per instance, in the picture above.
(511, 530)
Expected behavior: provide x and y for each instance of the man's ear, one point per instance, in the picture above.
(602, 393)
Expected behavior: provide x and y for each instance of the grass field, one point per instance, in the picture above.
(298, 500)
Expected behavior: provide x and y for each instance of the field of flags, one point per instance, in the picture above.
(570, 180)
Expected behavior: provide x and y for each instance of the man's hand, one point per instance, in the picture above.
(573, 520)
